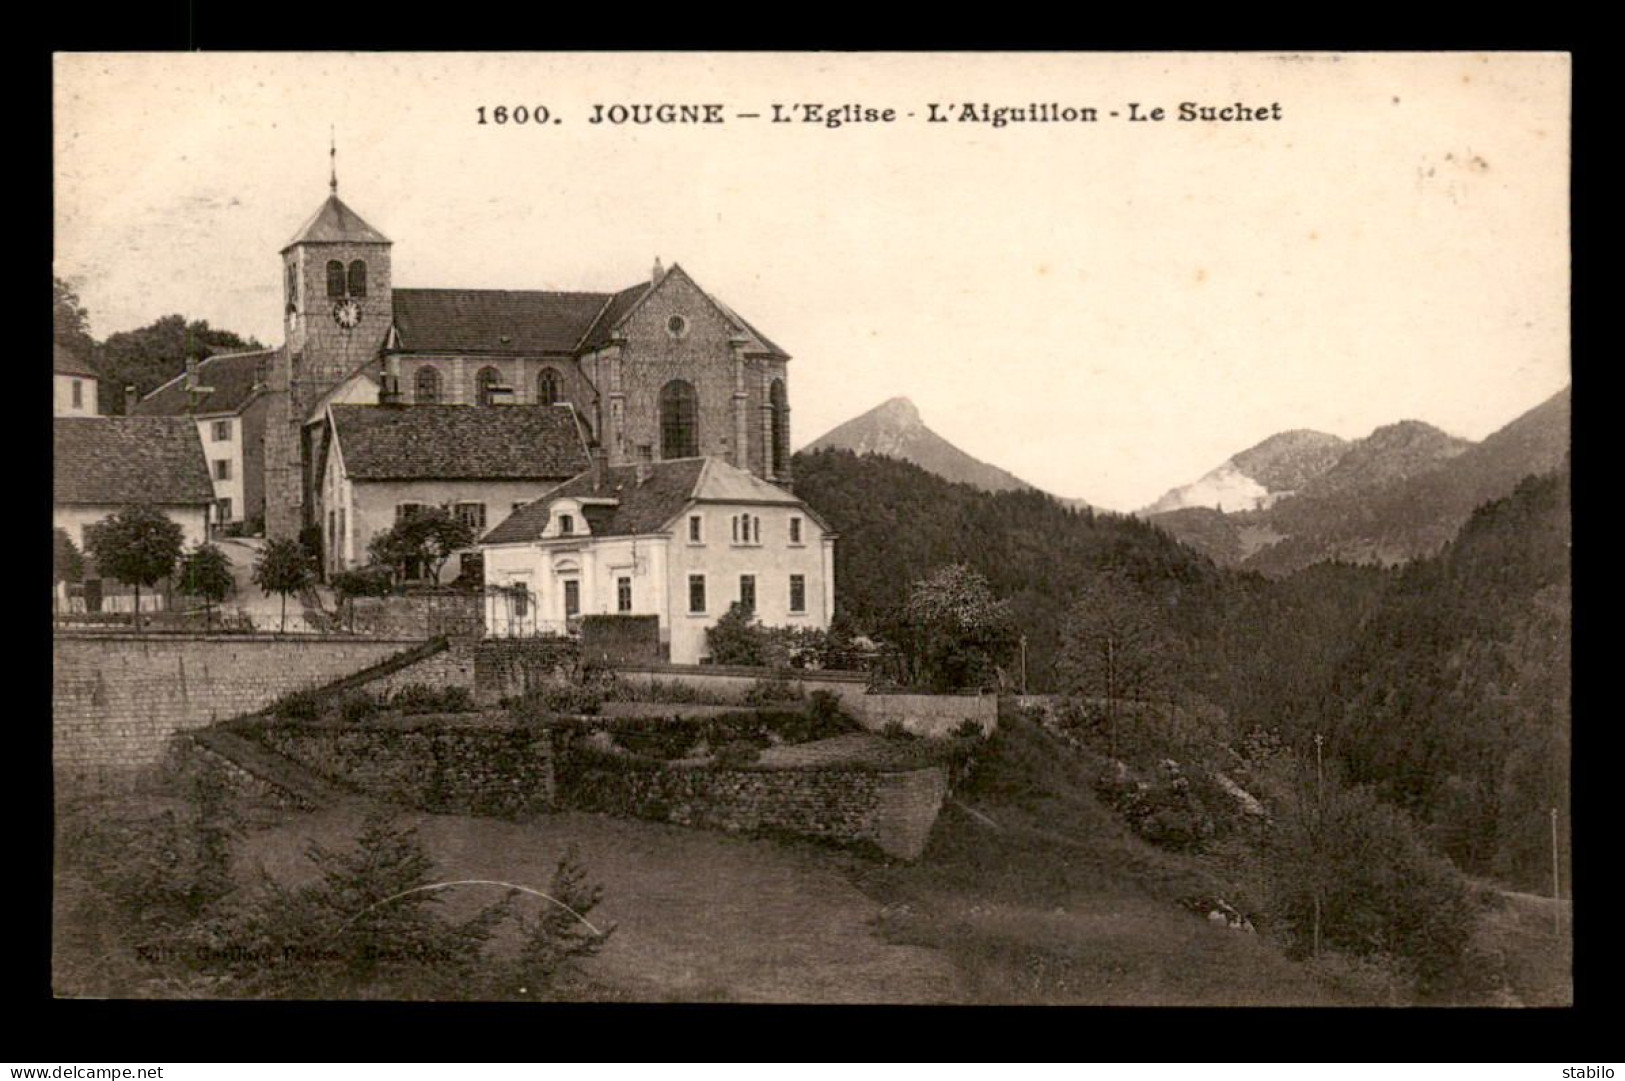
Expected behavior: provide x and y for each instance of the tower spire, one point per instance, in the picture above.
(332, 161)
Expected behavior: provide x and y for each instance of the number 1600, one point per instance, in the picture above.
(501, 114)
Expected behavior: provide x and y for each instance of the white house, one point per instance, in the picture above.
(681, 539)
(73, 384)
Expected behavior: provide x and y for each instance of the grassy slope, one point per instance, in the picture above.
(1060, 903)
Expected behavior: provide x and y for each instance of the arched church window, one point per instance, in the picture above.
(426, 389)
(293, 286)
(780, 409)
(679, 420)
(358, 279)
(547, 387)
(335, 278)
(486, 383)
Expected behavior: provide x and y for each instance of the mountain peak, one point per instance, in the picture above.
(898, 410)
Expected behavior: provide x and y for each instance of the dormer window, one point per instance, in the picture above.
(567, 525)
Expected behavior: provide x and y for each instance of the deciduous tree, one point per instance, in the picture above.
(138, 546)
(957, 632)
(429, 538)
(206, 573)
(283, 568)
(1113, 645)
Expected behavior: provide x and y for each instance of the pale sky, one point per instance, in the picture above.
(1105, 309)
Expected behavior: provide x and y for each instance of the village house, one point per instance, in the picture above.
(381, 464)
(74, 384)
(225, 396)
(102, 465)
(682, 540)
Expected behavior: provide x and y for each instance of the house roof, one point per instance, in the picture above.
(613, 311)
(65, 361)
(459, 442)
(645, 508)
(493, 320)
(123, 460)
(232, 375)
(335, 223)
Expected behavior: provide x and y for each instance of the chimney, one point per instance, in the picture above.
(129, 398)
(600, 468)
(658, 273)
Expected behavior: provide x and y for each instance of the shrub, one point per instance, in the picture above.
(304, 705)
(658, 738)
(896, 730)
(772, 690)
(357, 706)
(566, 698)
(417, 698)
(969, 728)
(736, 752)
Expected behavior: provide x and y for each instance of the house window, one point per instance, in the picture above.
(222, 469)
(473, 514)
(679, 420)
(343, 537)
(293, 286)
(696, 593)
(567, 525)
(223, 509)
(695, 528)
(486, 383)
(623, 594)
(405, 512)
(646, 452)
(798, 593)
(222, 431)
(755, 530)
(547, 387)
(358, 279)
(426, 386)
(78, 394)
(779, 411)
(795, 530)
(335, 278)
(521, 601)
(735, 521)
(747, 592)
(572, 598)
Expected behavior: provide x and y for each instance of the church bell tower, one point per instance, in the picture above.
(337, 311)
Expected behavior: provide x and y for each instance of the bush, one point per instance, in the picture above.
(896, 730)
(968, 728)
(736, 752)
(418, 698)
(303, 705)
(357, 706)
(772, 690)
(566, 698)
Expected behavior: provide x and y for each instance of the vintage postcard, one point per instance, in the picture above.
(974, 528)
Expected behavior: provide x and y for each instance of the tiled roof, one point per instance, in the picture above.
(459, 442)
(641, 508)
(493, 320)
(232, 375)
(123, 460)
(335, 223)
(65, 361)
(645, 508)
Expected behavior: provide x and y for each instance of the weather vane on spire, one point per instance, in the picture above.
(333, 160)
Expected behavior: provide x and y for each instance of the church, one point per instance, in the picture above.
(659, 370)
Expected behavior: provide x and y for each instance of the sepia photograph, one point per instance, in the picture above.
(1001, 529)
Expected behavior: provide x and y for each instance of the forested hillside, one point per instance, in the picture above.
(1444, 682)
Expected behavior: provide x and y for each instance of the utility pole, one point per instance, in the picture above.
(1024, 664)
(1320, 806)
(1557, 897)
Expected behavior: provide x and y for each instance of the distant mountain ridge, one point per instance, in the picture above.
(894, 428)
(1401, 492)
(1259, 475)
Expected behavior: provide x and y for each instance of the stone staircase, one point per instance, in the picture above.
(254, 770)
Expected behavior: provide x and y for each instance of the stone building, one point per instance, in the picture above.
(660, 370)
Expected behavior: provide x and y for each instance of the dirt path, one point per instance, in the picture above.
(701, 916)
